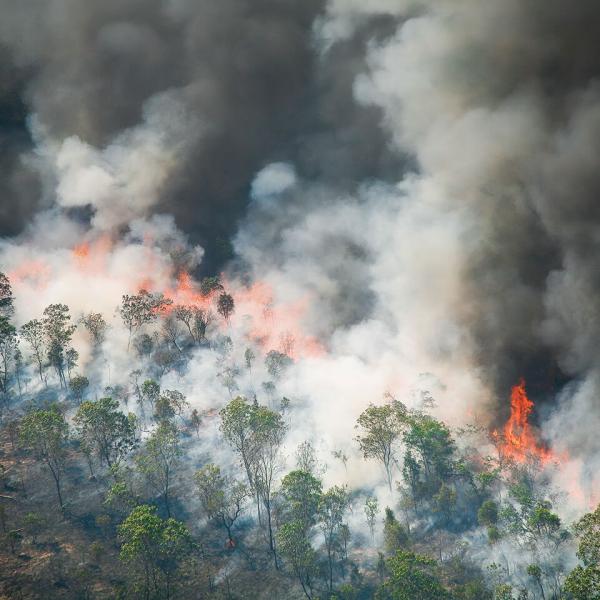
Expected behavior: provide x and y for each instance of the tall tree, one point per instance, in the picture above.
(8, 347)
(156, 548)
(33, 333)
(412, 577)
(140, 309)
(46, 433)
(225, 305)
(332, 509)
(58, 332)
(105, 431)
(159, 459)
(380, 428)
(222, 498)
(583, 582)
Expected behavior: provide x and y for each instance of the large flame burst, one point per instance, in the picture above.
(518, 441)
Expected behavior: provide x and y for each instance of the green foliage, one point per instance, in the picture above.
(380, 428)
(78, 385)
(412, 577)
(222, 498)
(106, 432)
(46, 433)
(225, 305)
(395, 536)
(371, 509)
(159, 459)
(300, 497)
(276, 363)
(298, 554)
(583, 582)
(488, 513)
(155, 548)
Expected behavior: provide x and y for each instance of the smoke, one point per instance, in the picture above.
(406, 189)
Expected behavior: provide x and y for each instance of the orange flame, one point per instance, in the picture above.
(518, 441)
(271, 325)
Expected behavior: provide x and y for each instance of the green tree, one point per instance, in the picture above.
(299, 498)
(155, 547)
(268, 432)
(33, 333)
(58, 332)
(222, 498)
(78, 385)
(380, 428)
(196, 421)
(225, 305)
(395, 536)
(139, 309)
(583, 582)
(46, 433)
(8, 347)
(105, 431)
(298, 554)
(160, 458)
(371, 509)
(96, 327)
(412, 577)
(430, 445)
(332, 509)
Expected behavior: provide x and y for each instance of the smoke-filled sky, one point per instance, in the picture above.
(421, 176)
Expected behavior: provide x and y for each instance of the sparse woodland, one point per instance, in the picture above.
(123, 492)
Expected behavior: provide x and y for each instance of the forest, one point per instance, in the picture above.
(131, 491)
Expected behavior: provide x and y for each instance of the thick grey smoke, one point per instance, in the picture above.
(246, 71)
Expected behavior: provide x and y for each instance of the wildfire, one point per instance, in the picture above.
(271, 325)
(518, 441)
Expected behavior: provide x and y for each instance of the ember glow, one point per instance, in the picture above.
(518, 441)
(270, 324)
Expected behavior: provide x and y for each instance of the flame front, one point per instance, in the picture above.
(518, 441)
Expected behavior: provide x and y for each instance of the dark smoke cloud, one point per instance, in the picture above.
(252, 75)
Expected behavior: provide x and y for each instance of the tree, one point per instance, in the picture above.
(430, 445)
(332, 508)
(195, 319)
(105, 431)
(6, 297)
(298, 553)
(411, 577)
(159, 459)
(380, 428)
(222, 498)
(299, 498)
(46, 432)
(196, 421)
(156, 547)
(371, 509)
(8, 347)
(140, 309)
(96, 327)
(276, 363)
(78, 385)
(208, 285)
(58, 332)
(33, 333)
(225, 305)
(237, 428)
(268, 432)
(306, 458)
(583, 582)
(169, 404)
(249, 357)
(395, 536)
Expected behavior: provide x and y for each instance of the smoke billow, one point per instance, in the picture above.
(414, 181)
